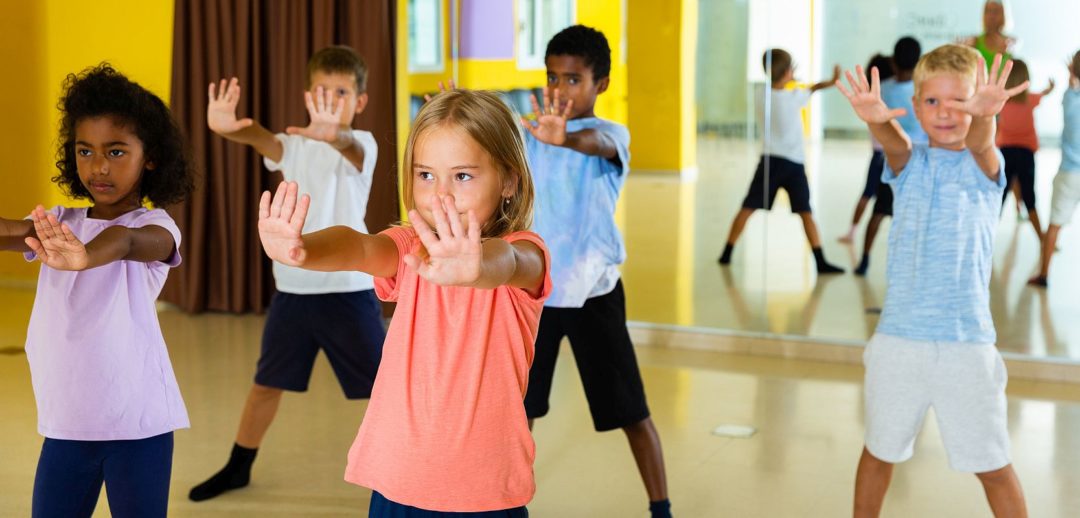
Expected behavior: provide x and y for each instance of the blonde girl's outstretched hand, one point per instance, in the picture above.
(454, 253)
(551, 120)
(865, 97)
(55, 245)
(281, 223)
(221, 110)
(990, 92)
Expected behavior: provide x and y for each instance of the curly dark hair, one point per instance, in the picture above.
(102, 91)
(586, 43)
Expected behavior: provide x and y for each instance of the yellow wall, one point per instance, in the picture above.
(662, 37)
(25, 179)
(43, 41)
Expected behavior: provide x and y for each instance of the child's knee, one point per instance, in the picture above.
(998, 476)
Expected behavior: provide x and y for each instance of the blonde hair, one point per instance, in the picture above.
(487, 119)
(1018, 75)
(947, 59)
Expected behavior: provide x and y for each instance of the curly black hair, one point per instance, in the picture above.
(906, 53)
(586, 43)
(102, 91)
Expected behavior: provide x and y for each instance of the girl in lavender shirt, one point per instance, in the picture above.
(107, 399)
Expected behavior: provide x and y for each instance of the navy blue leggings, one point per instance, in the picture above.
(381, 507)
(136, 476)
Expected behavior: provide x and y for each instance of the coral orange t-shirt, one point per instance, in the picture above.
(1016, 124)
(446, 428)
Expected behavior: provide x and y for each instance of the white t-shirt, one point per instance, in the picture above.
(785, 131)
(339, 196)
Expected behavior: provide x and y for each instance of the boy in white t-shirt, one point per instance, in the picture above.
(333, 311)
(781, 165)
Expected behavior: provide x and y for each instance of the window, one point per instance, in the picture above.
(425, 36)
(538, 21)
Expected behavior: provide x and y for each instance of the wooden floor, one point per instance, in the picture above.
(800, 463)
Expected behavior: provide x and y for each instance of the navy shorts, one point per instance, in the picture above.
(873, 174)
(783, 174)
(347, 326)
(136, 475)
(383, 508)
(1020, 167)
(884, 201)
(605, 359)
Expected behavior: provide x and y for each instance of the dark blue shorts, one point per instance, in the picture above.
(781, 174)
(873, 174)
(347, 326)
(135, 473)
(383, 508)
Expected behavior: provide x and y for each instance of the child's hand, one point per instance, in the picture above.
(221, 112)
(454, 254)
(550, 123)
(281, 223)
(990, 93)
(55, 245)
(442, 88)
(325, 117)
(865, 97)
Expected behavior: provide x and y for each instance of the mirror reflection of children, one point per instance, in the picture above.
(783, 157)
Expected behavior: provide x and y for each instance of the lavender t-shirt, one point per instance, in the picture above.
(98, 361)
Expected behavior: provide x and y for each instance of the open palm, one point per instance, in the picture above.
(55, 245)
(550, 125)
(454, 253)
(865, 97)
(990, 92)
(325, 116)
(221, 112)
(281, 223)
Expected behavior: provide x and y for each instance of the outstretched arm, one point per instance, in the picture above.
(339, 248)
(865, 98)
(58, 248)
(221, 118)
(828, 83)
(1049, 87)
(457, 256)
(13, 234)
(989, 98)
(326, 125)
(550, 128)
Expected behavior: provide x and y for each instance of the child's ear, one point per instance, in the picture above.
(510, 186)
(361, 102)
(150, 165)
(602, 85)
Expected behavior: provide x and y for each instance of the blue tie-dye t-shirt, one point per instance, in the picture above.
(575, 212)
(945, 212)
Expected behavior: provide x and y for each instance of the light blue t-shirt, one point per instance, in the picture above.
(1070, 135)
(945, 212)
(898, 95)
(575, 213)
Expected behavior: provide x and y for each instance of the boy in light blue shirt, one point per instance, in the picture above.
(934, 345)
(579, 163)
(1067, 182)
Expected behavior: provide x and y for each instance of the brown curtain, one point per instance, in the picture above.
(266, 45)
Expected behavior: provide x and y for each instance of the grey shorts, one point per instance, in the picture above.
(965, 385)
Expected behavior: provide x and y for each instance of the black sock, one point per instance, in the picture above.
(725, 257)
(863, 265)
(660, 508)
(235, 474)
(822, 265)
